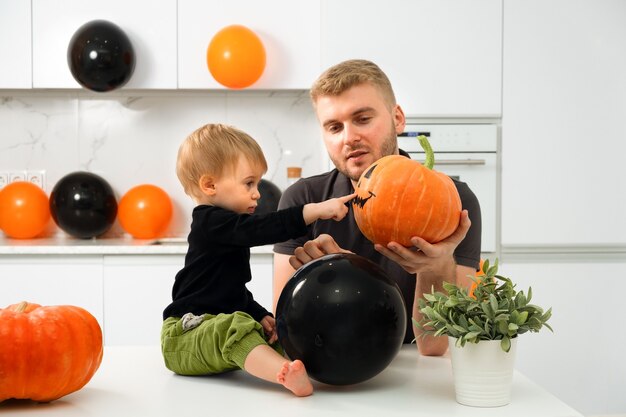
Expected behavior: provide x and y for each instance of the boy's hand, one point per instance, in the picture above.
(334, 208)
(269, 327)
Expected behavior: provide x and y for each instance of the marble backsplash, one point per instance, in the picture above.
(131, 139)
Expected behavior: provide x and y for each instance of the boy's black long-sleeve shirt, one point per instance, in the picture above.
(217, 264)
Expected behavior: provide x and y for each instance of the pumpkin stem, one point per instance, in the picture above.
(21, 307)
(430, 155)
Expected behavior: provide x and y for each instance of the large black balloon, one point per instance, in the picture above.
(270, 196)
(343, 317)
(83, 204)
(100, 56)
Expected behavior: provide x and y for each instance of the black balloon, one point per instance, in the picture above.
(83, 205)
(343, 317)
(270, 196)
(100, 56)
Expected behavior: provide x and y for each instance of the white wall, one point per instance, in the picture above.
(133, 139)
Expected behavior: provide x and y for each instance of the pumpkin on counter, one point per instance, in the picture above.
(47, 352)
(398, 198)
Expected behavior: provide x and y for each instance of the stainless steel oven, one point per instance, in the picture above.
(467, 152)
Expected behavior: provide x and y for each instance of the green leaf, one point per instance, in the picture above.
(520, 300)
(427, 311)
(452, 301)
(486, 265)
(494, 303)
(460, 329)
(440, 332)
(429, 297)
(471, 336)
(519, 318)
(486, 307)
(547, 315)
(505, 344)
(503, 327)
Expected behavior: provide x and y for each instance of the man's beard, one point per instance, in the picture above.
(388, 147)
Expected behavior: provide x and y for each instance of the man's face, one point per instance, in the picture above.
(358, 128)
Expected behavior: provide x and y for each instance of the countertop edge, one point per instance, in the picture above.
(104, 246)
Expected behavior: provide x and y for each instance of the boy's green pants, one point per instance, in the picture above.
(219, 344)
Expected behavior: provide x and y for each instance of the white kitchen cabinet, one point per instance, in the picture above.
(15, 44)
(585, 352)
(150, 25)
(53, 280)
(290, 32)
(443, 58)
(563, 130)
(138, 288)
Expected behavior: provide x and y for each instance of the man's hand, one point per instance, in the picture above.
(423, 255)
(322, 245)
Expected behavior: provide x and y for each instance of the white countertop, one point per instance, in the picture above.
(63, 245)
(132, 381)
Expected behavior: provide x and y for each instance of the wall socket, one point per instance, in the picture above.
(4, 179)
(37, 177)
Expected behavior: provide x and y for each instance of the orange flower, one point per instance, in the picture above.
(479, 273)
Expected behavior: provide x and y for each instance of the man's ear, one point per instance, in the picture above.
(207, 185)
(399, 119)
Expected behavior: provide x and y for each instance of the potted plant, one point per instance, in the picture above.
(483, 324)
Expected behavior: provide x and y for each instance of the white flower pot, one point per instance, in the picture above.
(483, 372)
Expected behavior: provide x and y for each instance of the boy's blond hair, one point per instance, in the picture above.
(345, 75)
(214, 149)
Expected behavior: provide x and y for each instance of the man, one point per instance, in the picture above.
(360, 119)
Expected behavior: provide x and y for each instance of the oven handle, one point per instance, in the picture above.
(456, 161)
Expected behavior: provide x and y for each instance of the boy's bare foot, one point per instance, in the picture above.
(294, 377)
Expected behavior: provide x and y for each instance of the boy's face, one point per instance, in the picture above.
(237, 189)
(358, 128)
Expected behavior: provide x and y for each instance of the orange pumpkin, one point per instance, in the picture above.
(47, 352)
(398, 198)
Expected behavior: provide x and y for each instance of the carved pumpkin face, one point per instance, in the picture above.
(398, 198)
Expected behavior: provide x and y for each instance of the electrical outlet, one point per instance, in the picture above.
(15, 176)
(4, 179)
(37, 177)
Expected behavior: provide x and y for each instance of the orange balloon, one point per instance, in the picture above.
(24, 210)
(145, 211)
(236, 57)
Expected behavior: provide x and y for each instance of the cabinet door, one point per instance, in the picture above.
(289, 31)
(15, 44)
(53, 280)
(136, 291)
(563, 130)
(585, 352)
(150, 25)
(442, 57)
